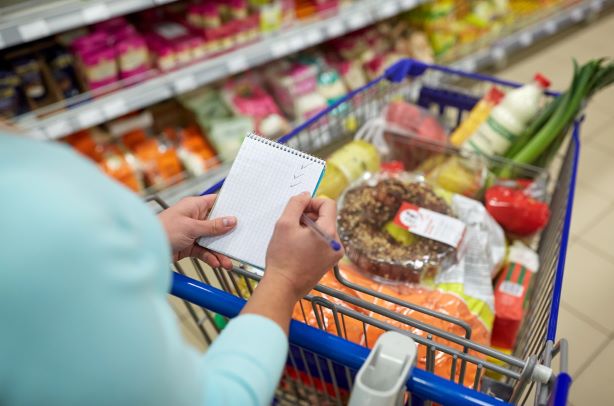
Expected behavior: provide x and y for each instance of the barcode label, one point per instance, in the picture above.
(511, 288)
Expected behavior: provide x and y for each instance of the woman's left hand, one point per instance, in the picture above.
(186, 222)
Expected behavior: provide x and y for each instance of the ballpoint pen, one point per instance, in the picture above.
(334, 244)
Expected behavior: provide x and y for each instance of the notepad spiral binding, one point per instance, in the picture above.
(285, 148)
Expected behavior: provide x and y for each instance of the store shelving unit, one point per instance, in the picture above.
(28, 21)
(498, 51)
(165, 86)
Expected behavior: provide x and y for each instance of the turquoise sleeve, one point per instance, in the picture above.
(84, 317)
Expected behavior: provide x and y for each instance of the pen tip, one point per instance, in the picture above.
(335, 245)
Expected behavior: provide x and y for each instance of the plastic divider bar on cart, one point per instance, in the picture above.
(433, 85)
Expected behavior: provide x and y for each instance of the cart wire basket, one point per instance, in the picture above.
(322, 361)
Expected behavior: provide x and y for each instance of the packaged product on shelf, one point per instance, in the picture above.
(295, 88)
(508, 119)
(478, 115)
(132, 56)
(31, 78)
(196, 155)
(62, 66)
(511, 294)
(246, 97)
(346, 165)
(159, 160)
(122, 166)
(396, 228)
(437, 19)
(516, 205)
(11, 100)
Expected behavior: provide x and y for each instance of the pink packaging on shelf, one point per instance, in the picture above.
(210, 14)
(100, 67)
(132, 56)
(164, 53)
(90, 42)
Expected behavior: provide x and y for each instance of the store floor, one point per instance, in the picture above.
(586, 317)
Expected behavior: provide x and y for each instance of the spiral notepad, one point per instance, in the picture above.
(263, 177)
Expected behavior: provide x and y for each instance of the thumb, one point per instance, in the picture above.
(295, 207)
(218, 226)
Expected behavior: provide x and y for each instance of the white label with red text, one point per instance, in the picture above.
(429, 224)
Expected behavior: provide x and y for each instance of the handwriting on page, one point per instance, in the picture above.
(299, 173)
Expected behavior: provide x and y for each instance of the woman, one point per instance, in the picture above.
(84, 276)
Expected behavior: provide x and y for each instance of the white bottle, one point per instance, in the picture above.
(507, 121)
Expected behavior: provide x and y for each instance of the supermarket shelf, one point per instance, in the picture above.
(350, 18)
(29, 21)
(500, 50)
(196, 186)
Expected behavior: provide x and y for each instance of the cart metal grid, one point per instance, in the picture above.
(321, 367)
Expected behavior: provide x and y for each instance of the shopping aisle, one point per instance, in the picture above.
(586, 318)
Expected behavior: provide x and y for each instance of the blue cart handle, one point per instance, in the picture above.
(423, 384)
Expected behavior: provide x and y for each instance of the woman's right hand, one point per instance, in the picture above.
(297, 257)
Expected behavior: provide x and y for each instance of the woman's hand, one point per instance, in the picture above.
(296, 259)
(185, 222)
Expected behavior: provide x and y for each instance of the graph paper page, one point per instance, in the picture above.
(263, 177)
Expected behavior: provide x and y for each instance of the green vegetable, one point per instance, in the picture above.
(552, 123)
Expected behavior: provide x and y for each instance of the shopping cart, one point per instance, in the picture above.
(322, 363)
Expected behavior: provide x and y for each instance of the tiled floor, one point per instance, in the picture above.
(586, 317)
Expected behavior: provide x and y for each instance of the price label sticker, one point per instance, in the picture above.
(34, 30)
(388, 9)
(408, 4)
(577, 15)
(314, 37)
(335, 29)
(297, 43)
(185, 84)
(526, 39)
(550, 27)
(279, 48)
(115, 108)
(37, 133)
(90, 118)
(57, 129)
(237, 63)
(498, 53)
(97, 12)
(357, 20)
(470, 65)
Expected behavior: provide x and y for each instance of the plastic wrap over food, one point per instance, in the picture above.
(396, 228)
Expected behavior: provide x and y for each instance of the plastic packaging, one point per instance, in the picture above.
(346, 165)
(511, 293)
(507, 121)
(397, 229)
(477, 116)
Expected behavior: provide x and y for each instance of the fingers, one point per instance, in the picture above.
(207, 256)
(295, 207)
(225, 262)
(204, 204)
(218, 226)
(326, 210)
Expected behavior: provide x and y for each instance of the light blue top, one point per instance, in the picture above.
(84, 274)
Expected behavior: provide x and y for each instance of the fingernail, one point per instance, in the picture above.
(229, 221)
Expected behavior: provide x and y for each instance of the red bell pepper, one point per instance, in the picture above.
(515, 210)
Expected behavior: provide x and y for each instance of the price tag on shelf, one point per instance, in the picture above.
(469, 65)
(97, 12)
(388, 9)
(185, 84)
(408, 4)
(357, 20)
(335, 28)
(36, 133)
(498, 54)
(314, 37)
(90, 118)
(550, 27)
(279, 48)
(2, 43)
(34, 30)
(526, 39)
(237, 63)
(163, 1)
(577, 15)
(115, 108)
(597, 5)
(297, 43)
(58, 129)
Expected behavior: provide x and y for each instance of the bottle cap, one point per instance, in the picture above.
(542, 80)
(495, 95)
